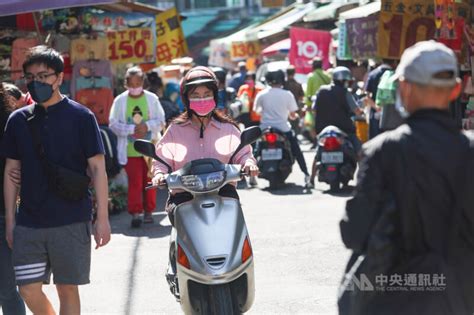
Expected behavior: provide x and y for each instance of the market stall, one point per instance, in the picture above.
(383, 30)
(96, 44)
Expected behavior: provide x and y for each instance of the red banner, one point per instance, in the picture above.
(307, 44)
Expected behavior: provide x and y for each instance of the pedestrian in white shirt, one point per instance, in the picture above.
(136, 114)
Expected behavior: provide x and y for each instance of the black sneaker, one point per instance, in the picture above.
(136, 221)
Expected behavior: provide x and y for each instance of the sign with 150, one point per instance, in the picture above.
(133, 45)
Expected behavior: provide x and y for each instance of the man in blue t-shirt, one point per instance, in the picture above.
(52, 233)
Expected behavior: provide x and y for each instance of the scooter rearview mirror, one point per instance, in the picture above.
(248, 136)
(145, 147)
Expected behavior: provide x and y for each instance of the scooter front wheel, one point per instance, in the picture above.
(220, 299)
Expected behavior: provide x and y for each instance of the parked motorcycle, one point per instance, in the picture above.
(274, 157)
(336, 158)
(209, 243)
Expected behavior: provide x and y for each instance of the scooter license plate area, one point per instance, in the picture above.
(332, 157)
(272, 154)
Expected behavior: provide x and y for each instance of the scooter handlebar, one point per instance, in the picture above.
(164, 185)
(151, 186)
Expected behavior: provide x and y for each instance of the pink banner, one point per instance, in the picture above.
(307, 44)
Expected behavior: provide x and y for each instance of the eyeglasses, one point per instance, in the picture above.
(42, 76)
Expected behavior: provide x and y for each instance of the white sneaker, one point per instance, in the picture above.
(253, 181)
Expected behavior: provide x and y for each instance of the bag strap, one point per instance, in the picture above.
(35, 136)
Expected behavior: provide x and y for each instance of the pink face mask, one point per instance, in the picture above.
(135, 91)
(202, 106)
(250, 83)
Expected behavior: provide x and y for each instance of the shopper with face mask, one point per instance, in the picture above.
(412, 209)
(136, 114)
(200, 132)
(247, 94)
(54, 142)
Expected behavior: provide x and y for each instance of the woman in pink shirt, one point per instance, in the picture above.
(200, 132)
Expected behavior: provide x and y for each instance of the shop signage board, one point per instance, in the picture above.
(110, 20)
(362, 36)
(245, 50)
(171, 43)
(307, 44)
(403, 23)
(343, 51)
(85, 20)
(134, 45)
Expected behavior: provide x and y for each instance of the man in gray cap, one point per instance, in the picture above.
(410, 223)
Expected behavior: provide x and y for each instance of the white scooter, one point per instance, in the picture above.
(209, 245)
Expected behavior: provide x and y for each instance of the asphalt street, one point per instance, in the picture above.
(298, 252)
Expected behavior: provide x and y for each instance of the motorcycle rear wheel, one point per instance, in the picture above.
(334, 186)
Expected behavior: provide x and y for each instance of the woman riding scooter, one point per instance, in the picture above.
(200, 132)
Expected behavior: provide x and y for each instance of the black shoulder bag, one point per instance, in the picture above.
(67, 184)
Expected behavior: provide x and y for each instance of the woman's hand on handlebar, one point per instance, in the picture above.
(251, 170)
(159, 180)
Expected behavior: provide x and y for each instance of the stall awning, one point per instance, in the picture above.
(363, 11)
(282, 46)
(280, 23)
(330, 11)
(12, 7)
(127, 6)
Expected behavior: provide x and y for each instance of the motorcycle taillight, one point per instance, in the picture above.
(271, 137)
(332, 144)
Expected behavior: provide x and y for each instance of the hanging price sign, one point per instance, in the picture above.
(245, 50)
(307, 44)
(171, 41)
(134, 45)
(407, 22)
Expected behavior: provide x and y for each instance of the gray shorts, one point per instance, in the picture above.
(64, 251)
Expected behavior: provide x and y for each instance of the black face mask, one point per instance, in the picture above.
(39, 91)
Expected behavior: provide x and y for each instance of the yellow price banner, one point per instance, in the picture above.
(133, 45)
(171, 43)
(244, 50)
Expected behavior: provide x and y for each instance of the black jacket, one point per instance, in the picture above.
(332, 109)
(419, 167)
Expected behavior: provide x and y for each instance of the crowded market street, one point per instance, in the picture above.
(229, 157)
(299, 256)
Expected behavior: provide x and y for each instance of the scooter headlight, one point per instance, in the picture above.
(214, 180)
(204, 182)
(192, 182)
